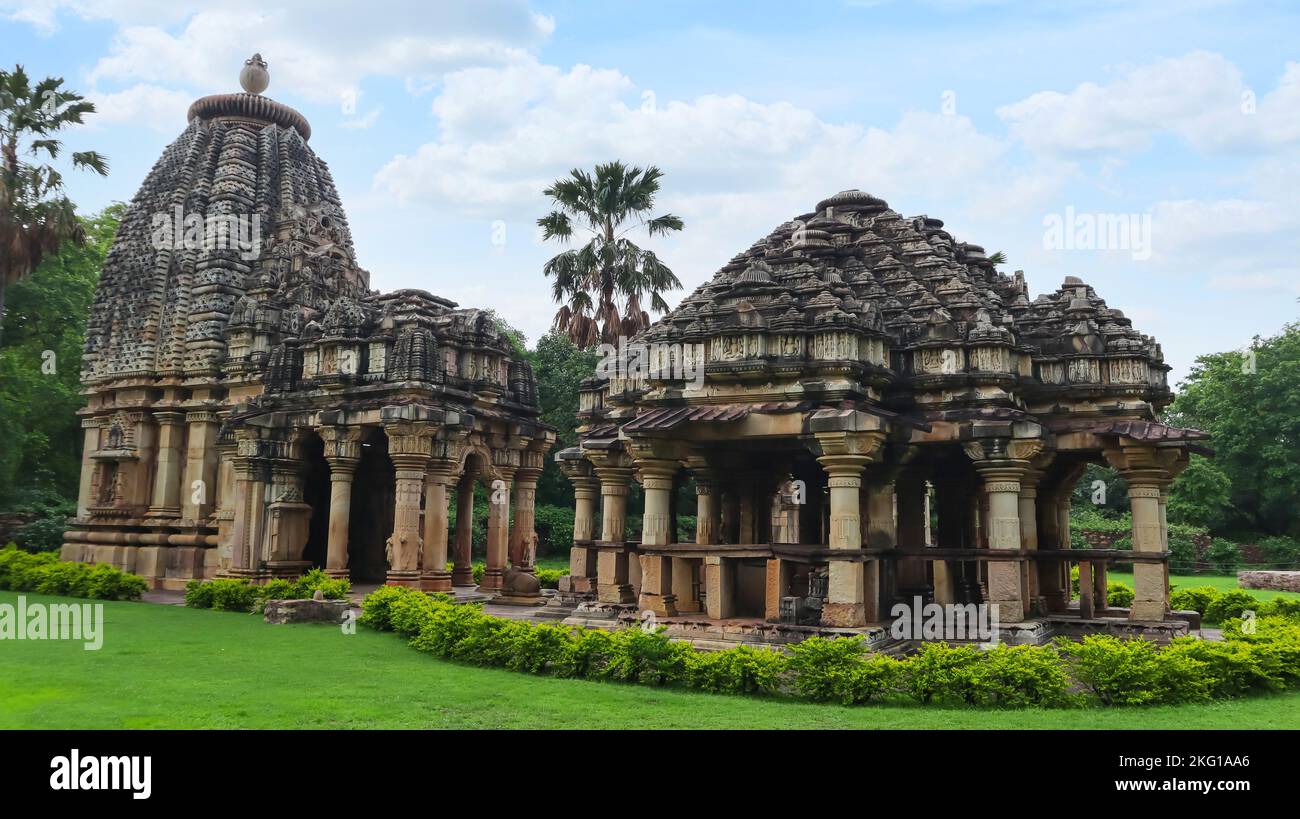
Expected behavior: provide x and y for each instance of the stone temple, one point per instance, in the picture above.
(871, 413)
(254, 409)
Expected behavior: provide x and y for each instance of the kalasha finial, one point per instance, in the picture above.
(254, 77)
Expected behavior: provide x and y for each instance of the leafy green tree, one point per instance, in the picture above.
(560, 367)
(1202, 496)
(40, 368)
(35, 217)
(1247, 401)
(1114, 496)
(589, 282)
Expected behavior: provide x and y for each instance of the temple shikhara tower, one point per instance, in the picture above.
(871, 414)
(254, 409)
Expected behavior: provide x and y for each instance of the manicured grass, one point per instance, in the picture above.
(171, 667)
(1222, 583)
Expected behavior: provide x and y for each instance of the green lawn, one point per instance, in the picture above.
(1222, 583)
(171, 667)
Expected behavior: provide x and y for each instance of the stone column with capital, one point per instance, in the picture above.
(853, 588)
(846, 603)
(1148, 471)
(462, 571)
(90, 444)
(1150, 590)
(440, 476)
(522, 545)
(612, 575)
(199, 492)
(656, 569)
(409, 448)
(582, 555)
(1028, 511)
(249, 525)
(1001, 463)
(342, 453)
(688, 572)
(166, 501)
(498, 531)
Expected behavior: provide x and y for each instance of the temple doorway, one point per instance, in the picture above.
(371, 519)
(316, 492)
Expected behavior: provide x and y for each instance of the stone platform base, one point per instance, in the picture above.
(719, 635)
(594, 614)
(1159, 632)
(469, 594)
(162, 567)
(1277, 581)
(524, 600)
(280, 612)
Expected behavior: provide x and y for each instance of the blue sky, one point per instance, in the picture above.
(443, 121)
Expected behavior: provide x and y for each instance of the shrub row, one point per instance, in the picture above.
(44, 573)
(1099, 670)
(1217, 606)
(232, 594)
(549, 578)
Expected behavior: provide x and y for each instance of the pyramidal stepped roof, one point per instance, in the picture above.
(204, 224)
(854, 263)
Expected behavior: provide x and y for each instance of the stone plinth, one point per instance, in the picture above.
(305, 611)
(1280, 581)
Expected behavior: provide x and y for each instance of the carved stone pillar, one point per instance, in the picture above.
(853, 588)
(1001, 464)
(336, 550)
(498, 531)
(582, 556)
(342, 453)
(434, 576)
(248, 532)
(90, 443)
(462, 572)
(612, 576)
(202, 459)
(687, 573)
(656, 570)
(1028, 510)
(1148, 471)
(846, 603)
(522, 554)
(409, 448)
(166, 501)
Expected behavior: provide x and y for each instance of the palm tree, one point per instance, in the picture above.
(590, 281)
(35, 217)
(997, 257)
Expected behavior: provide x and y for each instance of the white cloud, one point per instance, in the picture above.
(161, 109)
(322, 51)
(1255, 282)
(363, 122)
(735, 168)
(1200, 97)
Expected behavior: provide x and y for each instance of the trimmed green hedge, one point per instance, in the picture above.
(1217, 606)
(1100, 670)
(233, 594)
(44, 573)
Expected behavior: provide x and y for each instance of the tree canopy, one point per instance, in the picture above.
(589, 282)
(1247, 400)
(40, 367)
(35, 217)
